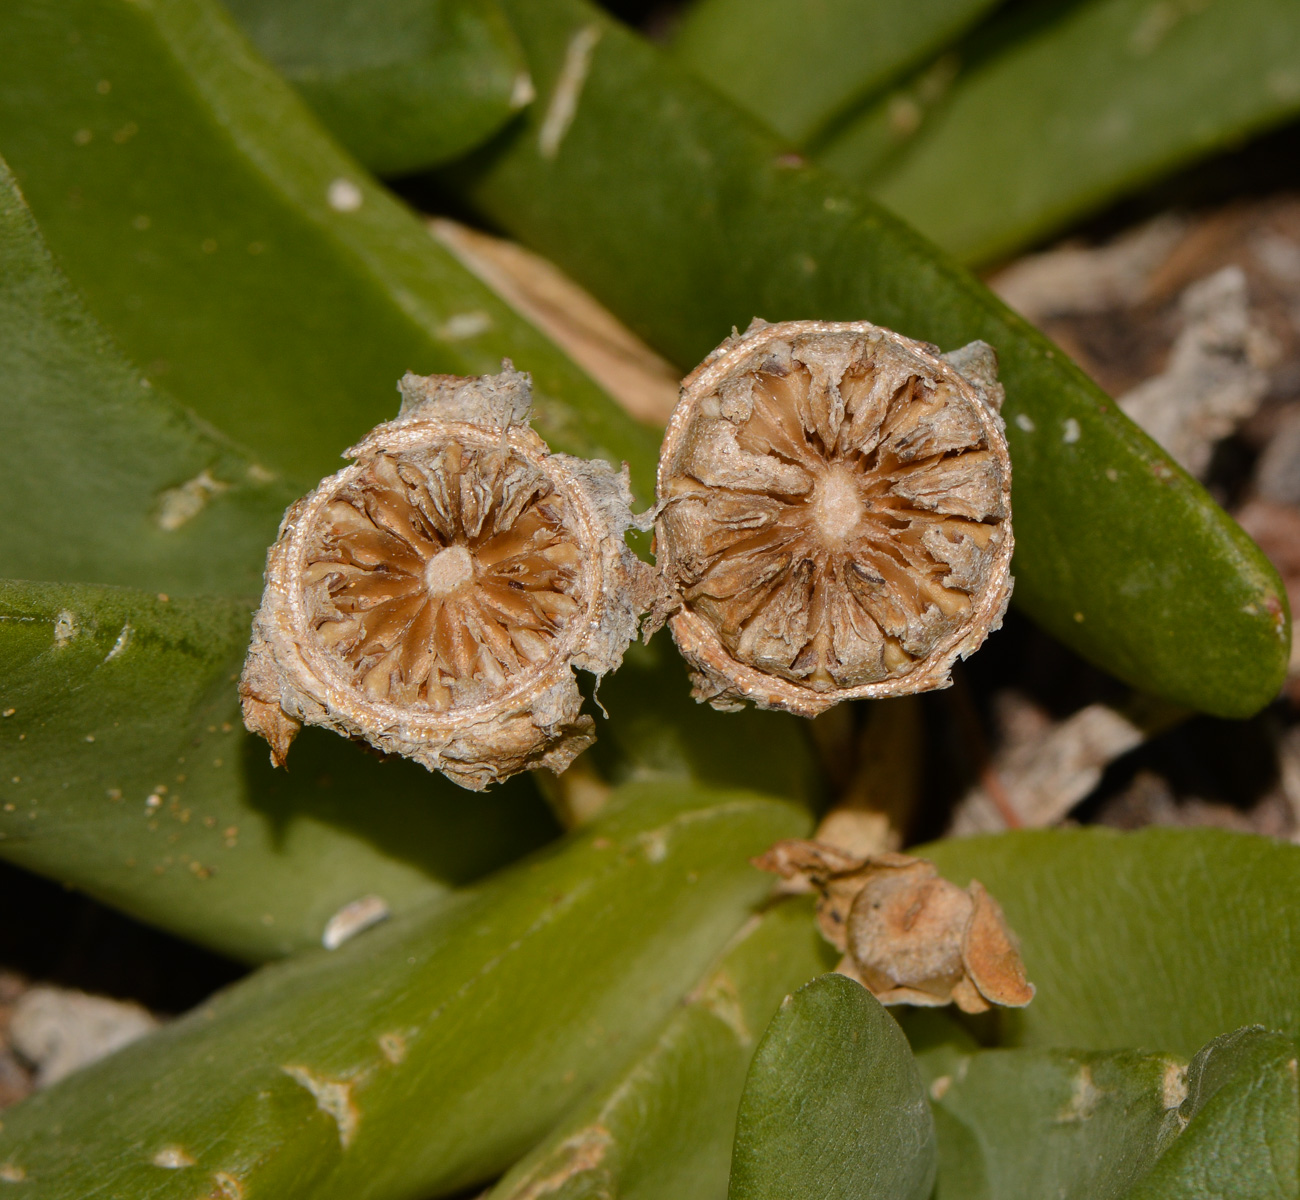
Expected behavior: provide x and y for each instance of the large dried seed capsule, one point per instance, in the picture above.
(834, 514)
(433, 598)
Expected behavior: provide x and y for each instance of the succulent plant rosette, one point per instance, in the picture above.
(533, 897)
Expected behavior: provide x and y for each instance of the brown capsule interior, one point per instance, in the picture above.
(437, 578)
(833, 510)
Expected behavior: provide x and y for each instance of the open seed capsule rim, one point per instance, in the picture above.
(317, 673)
(695, 636)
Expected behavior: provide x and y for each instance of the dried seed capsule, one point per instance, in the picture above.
(907, 934)
(834, 514)
(433, 598)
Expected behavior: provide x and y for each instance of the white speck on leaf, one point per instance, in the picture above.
(1071, 431)
(172, 1158)
(1026, 422)
(464, 325)
(392, 1046)
(568, 88)
(333, 1097)
(344, 196)
(655, 845)
(523, 93)
(123, 641)
(1084, 1100)
(65, 629)
(1173, 1086)
(352, 918)
(178, 505)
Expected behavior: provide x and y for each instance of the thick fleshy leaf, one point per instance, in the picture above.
(235, 254)
(104, 478)
(1161, 939)
(1106, 97)
(833, 1107)
(404, 84)
(1120, 1126)
(654, 729)
(796, 68)
(686, 220)
(125, 771)
(428, 1054)
(663, 1128)
(1243, 1140)
(1069, 1124)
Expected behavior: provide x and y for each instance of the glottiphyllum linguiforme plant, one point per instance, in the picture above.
(608, 1016)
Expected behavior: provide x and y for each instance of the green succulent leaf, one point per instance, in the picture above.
(663, 1128)
(429, 1053)
(833, 1107)
(655, 730)
(232, 251)
(403, 86)
(1073, 1125)
(1161, 939)
(125, 771)
(1126, 1125)
(107, 479)
(1108, 96)
(796, 69)
(1242, 1137)
(686, 219)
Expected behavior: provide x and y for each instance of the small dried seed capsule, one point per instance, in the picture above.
(433, 598)
(834, 514)
(907, 934)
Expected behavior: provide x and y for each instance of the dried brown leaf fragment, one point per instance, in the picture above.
(433, 598)
(907, 934)
(834, 515)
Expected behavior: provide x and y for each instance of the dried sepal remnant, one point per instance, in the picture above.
(834, 514)
(906, 933)
(433, 597)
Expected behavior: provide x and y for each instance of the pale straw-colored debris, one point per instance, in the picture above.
(639, 379)
(60, 1030)
(906, 933)
(1074, 280)
(353, 918)
(1217, 373)
(1043, 768)
(834, 515)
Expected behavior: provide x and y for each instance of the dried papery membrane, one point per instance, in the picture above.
(434, 597)
(834, 515)
(906, 933)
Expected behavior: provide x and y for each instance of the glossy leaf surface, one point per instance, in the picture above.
(1068, 1124)
(796, 68)
(833, 1107)
(1108, 96)
(234, 253)
(686, 220)
(1081, 1125)
(125, 772)
(429, 1053)
(405, 85)
(1243, 1140)
(655, 730)
(1161, 939)
(107, 479)
(663, 1128)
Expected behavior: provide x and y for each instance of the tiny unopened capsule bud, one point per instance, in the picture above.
(834, 515)
(433, 598)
